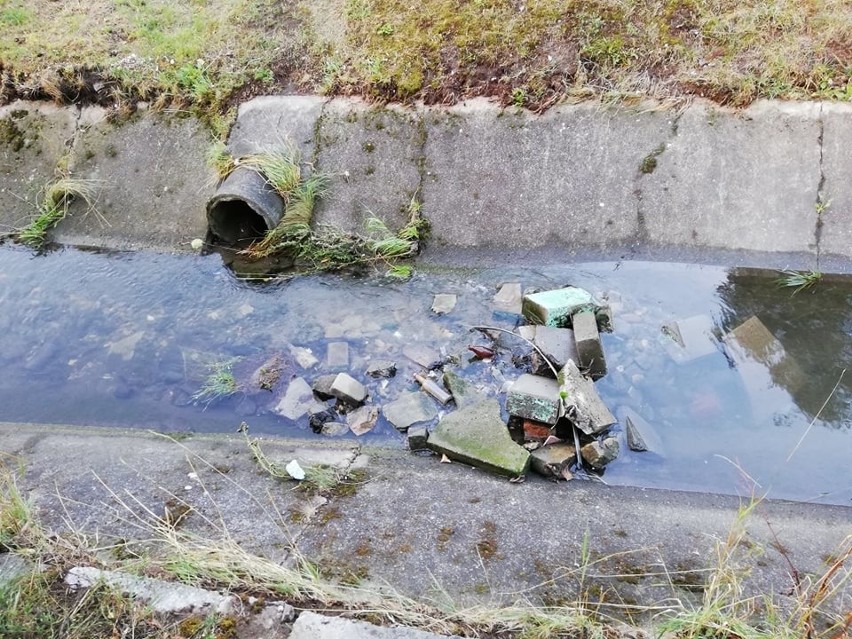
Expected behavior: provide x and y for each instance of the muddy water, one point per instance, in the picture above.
(129, 340)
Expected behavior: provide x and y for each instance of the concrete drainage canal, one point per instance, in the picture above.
(689, 377)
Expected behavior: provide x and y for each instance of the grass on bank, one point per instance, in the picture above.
(39, 605)
(209, 56)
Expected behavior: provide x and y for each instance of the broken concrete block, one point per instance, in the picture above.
(443, 303)
(639, 432)
(304, 357)
(583, 404)
(551, 460)
(381, 368)
(555, 308)
(534, 397)
(599, 454)
(362, 420)
(528, 331)
(298, 401)
(348, 389)
(462, 392)
(322, 386)
(751, 340)
(509, 298)
(476, 435)
(534, 431)
(635, 441)
(589, 348)
(410, 409)
(692, 338)
(418, 437)
(338, 355)
(557, 345)
(423, 355)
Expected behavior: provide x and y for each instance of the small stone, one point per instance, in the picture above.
(295, 470)
(322, 386)
(599, 454)
(418, 436)
(589, 348)
(348, 389)
(362, 420)
(381, 368)
(635, 441)
(551, 460)
(582, 402)
(509, 298)
(334, 429)
(197, 244)
(476, 435)
(125, 348)
(319, 420)
(555, 308)
(304, 357)
(533, 397)
(338, 356)
(443, 303)
(410, 409)
(462, 392)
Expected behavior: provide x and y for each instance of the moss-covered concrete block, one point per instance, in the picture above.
(534, 397)
(476, 435)
(555, 308)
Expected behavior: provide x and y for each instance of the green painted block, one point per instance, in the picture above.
(534, 397)
(476, 435)
(555, 308)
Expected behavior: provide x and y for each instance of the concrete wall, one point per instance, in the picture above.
(637, 178)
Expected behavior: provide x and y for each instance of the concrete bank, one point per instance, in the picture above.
(440, 532)
(623, 180)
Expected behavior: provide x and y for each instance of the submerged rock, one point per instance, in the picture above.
(381, 368)
(268, 374)
(334, 429)
(692, 338)
(362, 420)
(409, 409)
(304, 357)
(476, 435)
(508, 298)
(444, 303)
(298, 400)
(337, 356)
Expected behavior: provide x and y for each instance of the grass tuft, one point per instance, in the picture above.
(56, 200)
(220, 383)
(799, 280)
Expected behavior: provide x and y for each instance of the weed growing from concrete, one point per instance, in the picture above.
(56, 200)
(219, 159)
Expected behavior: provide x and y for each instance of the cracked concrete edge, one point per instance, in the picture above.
(767, 179)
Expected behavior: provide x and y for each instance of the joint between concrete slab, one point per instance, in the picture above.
(821, 203)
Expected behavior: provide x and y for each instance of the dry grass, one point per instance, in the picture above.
(211, 55)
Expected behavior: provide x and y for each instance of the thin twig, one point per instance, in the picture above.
(816, 417)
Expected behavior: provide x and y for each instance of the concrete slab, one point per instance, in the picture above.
(836, 232)
(507, 177)
(35, 140)
(737, 179)
(478, 436)
(374, 154)
(269, 122)
(427, 522)
(310, 625)
(152, 183)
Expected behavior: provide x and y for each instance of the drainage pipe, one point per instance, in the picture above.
(244, 207)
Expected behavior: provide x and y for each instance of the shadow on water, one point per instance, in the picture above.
(131, 339)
